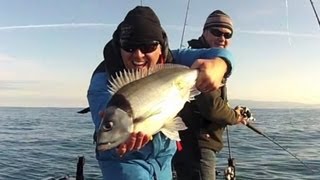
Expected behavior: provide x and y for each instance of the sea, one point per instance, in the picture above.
(45, 143)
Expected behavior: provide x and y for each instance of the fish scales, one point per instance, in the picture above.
(148, 91)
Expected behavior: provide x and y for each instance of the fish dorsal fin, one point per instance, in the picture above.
(124, 77)
(127, 76)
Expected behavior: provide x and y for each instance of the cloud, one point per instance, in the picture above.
(279, 33)
(15, 85)
(42, 93)
(253, 32)
(66, 25)
(4, 58)
(13, 69)
(171, 27)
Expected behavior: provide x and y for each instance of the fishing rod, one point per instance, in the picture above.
(184, 24)
(270, 139)
(315, 12)
(230, 171)
(246, 112)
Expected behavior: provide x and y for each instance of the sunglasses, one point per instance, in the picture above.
(146, 47)
(218, 33)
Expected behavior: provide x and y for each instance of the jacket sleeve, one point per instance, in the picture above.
(98, 96)
(189, 56)
(213, 108)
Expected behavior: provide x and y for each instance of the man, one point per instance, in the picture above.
(208, 116)
(217, 32)
(140, 42)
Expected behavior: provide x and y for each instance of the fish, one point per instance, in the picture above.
(146, 100)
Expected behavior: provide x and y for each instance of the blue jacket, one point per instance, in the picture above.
(153, 161)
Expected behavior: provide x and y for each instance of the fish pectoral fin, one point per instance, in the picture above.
(193, 93)
(171, 128)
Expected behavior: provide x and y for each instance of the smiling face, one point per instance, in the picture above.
(142, 55)
(217, 37)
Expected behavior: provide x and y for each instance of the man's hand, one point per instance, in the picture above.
(241, 118)
(211, 73)
(244, 114)
(135, 141)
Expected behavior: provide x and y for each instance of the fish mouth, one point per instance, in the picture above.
(105, 145)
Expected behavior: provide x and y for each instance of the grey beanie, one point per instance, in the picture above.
(218, 19)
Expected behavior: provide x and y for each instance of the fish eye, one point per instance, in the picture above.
(107, 126)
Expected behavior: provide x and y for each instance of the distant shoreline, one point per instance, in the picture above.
(271, 104)
(233, 102)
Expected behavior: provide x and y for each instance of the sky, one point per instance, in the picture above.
(49, 48)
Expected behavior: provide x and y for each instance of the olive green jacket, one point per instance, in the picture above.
(206, 119)
(207, 116)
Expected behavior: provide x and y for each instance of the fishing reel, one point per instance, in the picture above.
(245, 112)
(230, 171)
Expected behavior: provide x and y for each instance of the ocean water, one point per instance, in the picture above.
(39, 143)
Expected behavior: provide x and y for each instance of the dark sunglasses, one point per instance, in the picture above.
(146, 47)
(218, 33)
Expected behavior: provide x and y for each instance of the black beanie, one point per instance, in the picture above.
(141, 24)
(218, 19)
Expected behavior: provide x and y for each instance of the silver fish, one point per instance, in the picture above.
(146, 100)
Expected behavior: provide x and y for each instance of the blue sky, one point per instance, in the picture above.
(49, 48)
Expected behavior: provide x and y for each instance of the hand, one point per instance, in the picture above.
(244, 114)
(241, 119)
(211, 73)
(135, 142)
